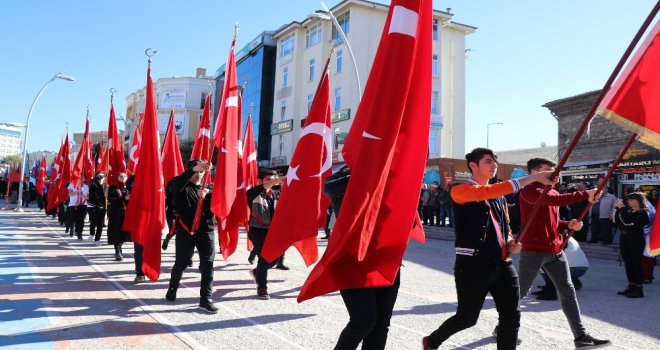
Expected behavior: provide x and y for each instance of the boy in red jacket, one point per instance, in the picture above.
(541, 247)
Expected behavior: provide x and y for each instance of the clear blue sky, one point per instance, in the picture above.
(525, 53)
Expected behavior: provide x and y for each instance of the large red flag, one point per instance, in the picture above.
(41, 175)
(226, 140)
(83, 167)
(134, 153)
(240, 212)
(55, 170)
(170, 156)
(145, 214)
(65, 178)
(386, 151)
(302, 200)
(250, 164)
(634, 100)
(114, 154)
(201, 148)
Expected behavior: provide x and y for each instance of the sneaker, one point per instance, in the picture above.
(262, 293)
(170, 295)
(253, 274)
(97, 243)
(91, 237)
(208, 306)
(425, 344)
(589, 342)
(139, 279)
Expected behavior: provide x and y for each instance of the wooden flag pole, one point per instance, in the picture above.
(590, 115)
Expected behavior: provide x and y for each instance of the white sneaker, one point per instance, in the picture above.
(91, 237)
(97, 243)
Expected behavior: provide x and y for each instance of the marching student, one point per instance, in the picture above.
(96, 206)
(483, 244)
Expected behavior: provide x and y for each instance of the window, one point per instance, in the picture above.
(203, 102)
(345, 23)
(435, 29)
(340, 61)
(310, 98)
(281, 148)
(311, 69)
(287, 45)
(285, 77)
(313, 35)
(434, 103)
(337, 99)
(433, 141)
(282, 109)
(435, 66)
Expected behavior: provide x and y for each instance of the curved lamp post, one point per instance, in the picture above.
(25, 138)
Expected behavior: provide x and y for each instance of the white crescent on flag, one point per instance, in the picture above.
(324, 131)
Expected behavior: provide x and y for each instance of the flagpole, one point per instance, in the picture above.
(602, 184)
(590, 116)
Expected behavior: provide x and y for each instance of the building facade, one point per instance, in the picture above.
(183, 95)
(255, 70)
(303, 48)
(595, 153)
(10, 139)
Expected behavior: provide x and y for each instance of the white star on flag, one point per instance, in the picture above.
(292, 175)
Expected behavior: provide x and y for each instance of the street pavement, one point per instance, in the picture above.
(60, 293)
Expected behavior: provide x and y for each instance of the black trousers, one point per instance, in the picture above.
(370, 311)
(632, 250)
(258, 237)
(138, 252)
(475, 278)
(76, 219)
(96, 222)
(185, 247)
(606, 231)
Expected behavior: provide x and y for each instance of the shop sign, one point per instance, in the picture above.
(649, 163)
(344, 114)
(278, 161)
(281, 127)
(582, 167)
(580, 177)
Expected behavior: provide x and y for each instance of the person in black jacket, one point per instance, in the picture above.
(117, 201)
(632, 218)
(96, 207)
(188, 190)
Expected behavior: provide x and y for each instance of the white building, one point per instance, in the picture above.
(521, 156)
(303, 48)
(10, 138)
(184, 95)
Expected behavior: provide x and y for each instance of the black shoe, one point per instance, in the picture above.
(166, 241)
(547, 296)
(496, 330)
(542, 291)
(208, 306)
(635, 292)
(577, 284)
(589, 342)
(282, 267)
(251, 259)
(118, 257)
(262, 293)
(625, 291)
(171, 294)
(325, 237)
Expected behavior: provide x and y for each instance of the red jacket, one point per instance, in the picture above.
(544, 233)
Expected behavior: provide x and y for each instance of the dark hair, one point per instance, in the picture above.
(535, 163)
(193, 163)
(476, 155)
(640, 198)
(99, 175)
(266, 172)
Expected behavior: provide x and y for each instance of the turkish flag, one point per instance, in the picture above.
(83, 167)
(55, 170)
(633, 102)
(386, 152)
(41, 175)
(145, 214)
(201, 148)
(102, 160)
(240, 212)
(134, 152)
(225, 136)
(170, 156)
(116, 163)
(302, 200)
(250, 165)
(61, 192)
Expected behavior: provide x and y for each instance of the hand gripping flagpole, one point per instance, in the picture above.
(590, 116)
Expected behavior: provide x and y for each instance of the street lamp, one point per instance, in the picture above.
(27, 126)
(328, 16)
(488, 132)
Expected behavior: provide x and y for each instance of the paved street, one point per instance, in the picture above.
(60, 293)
